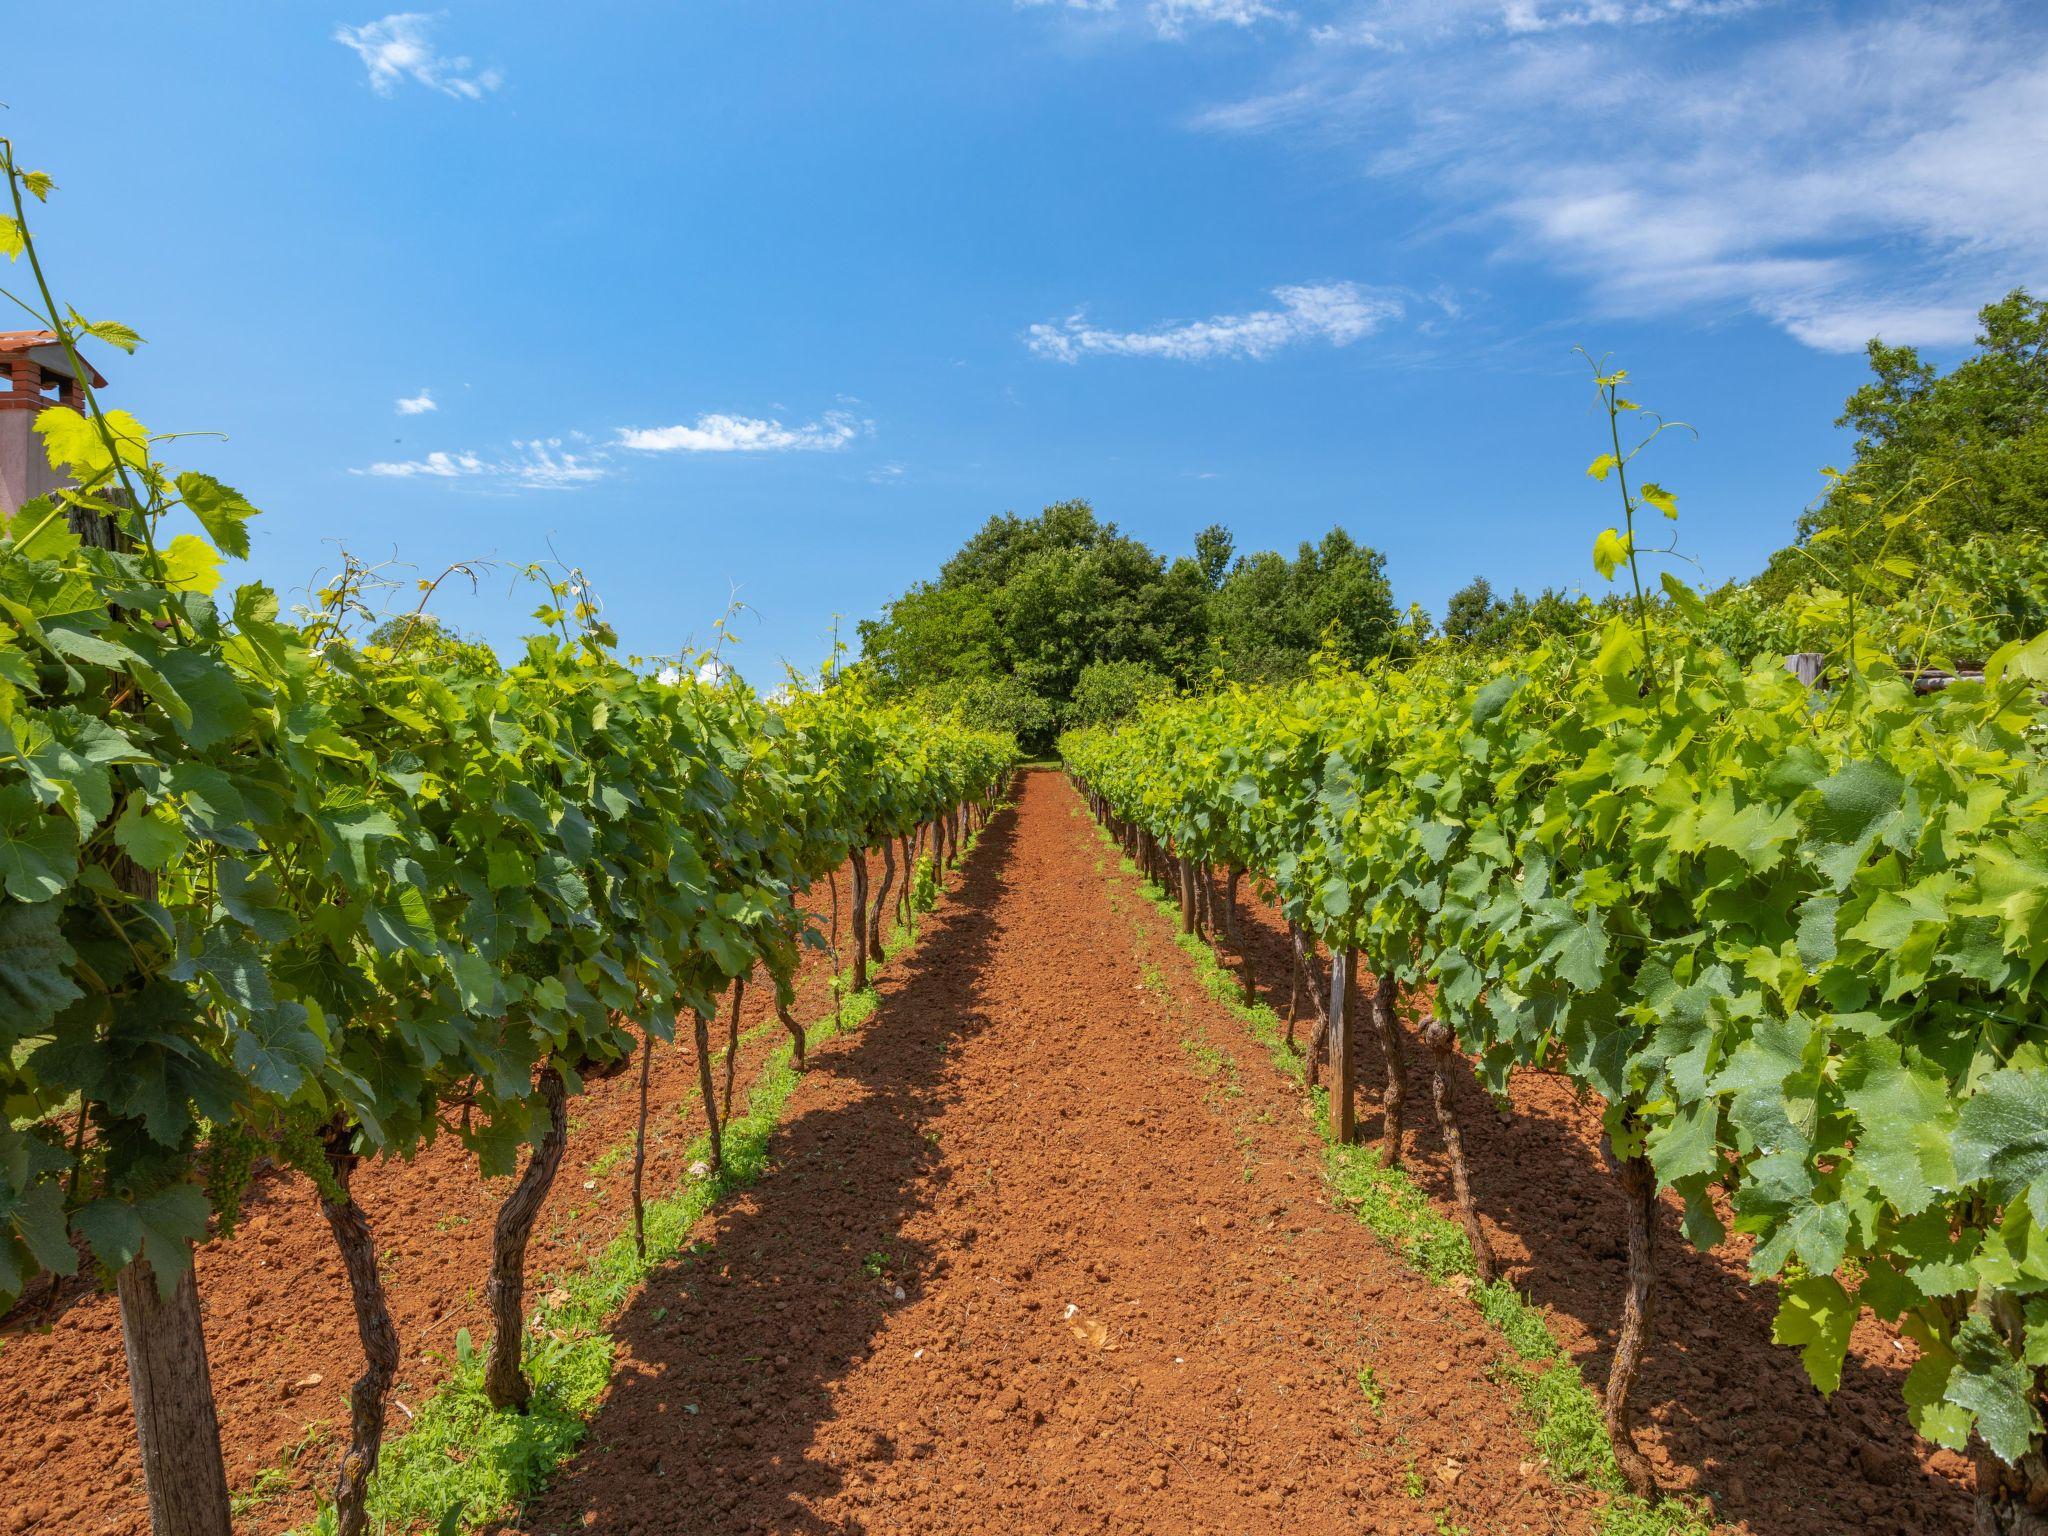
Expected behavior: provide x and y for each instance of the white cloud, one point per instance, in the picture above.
(418, 405)
(717, 432)
(1172, 18)
(537, 464)
(885, 474)
(399, 48)
(1338, 313)
(1836, 170)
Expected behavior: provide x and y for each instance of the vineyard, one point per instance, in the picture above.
(1591, 1085)
(1793, 942)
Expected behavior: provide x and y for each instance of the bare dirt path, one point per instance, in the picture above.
(281, 1337)
(1043, 1249)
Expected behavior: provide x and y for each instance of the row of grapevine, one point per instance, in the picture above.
(1794, 940)
(268, 892)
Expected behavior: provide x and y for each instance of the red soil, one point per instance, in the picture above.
(880, 1337)
(1721, 1408)
(281, 1338)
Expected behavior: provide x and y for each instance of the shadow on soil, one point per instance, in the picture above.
(1736, 1414)
(736, 1347)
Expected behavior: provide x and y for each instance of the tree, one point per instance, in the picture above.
(1108, 691)
(1213, 546)
(1471, 610)
(1272, 614)
(1966, 452)
(427, 644)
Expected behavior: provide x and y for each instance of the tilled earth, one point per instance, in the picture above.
(1045, 1250)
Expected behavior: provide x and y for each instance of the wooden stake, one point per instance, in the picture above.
(1343, 1119)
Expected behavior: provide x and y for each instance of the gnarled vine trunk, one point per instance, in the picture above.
(505, 1383)
(702, 1026)
(2011, 1501)
(732, 1043)
(875, 923)
(796, 1030)
(1436, 1034)
(176, 1425)
(1638, 1186)
(369, 1397)
(859, 914)
(640, 1152)
(832, 884)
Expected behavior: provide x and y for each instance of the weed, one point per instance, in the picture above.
(1369, 1384)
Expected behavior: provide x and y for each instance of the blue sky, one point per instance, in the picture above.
(790, 297)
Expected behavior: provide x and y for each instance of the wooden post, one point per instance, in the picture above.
(175, 1423)
(1343, 1121)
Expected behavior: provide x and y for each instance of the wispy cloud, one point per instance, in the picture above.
(536, 464)
(1336, 313)
(1839, 171)
(717, 432)
(1171, 18)
(400, 48)
(885, 474)
(417, 405)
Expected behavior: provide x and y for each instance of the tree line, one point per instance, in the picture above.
(1059, 620)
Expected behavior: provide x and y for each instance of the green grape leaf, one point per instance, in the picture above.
(1655, 495)
(38, 850)
(35, 968)
(1998, 1389)
(278, 1052)
(221, 511)
(160, 1228)
(1610, 552)
(1906, 1120)
(2002, 1131)
(149, 840)
(1817, 1316)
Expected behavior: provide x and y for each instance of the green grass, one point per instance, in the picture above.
(464, 1464)
(1566, 1424)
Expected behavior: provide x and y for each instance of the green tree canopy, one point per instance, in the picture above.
(1040, 601)
(1965, 452)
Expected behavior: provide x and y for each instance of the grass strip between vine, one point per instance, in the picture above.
(1566, 1426)
(463, 1463)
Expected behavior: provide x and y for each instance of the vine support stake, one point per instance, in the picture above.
(175, 1422)
(1343, 1118)
(1388, 1026)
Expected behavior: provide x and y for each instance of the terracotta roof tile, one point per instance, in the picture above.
(28, 341)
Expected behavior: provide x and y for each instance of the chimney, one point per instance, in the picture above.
(34, 374)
